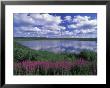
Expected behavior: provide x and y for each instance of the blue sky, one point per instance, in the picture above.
(69, 25)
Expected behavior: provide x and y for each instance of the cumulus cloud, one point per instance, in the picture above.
(34, 31)
(54, 27)
(47, 18)
(83, 25)
(84, 22)
(48, 25)
(79, 18)
(68, 18)
(23, 19)
(34, 19)
(37, 23)
(85, 31)
(28, 29)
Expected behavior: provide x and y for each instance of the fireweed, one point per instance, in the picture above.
(78, 67)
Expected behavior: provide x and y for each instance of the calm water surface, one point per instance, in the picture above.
(59, 46)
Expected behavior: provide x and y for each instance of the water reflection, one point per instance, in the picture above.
(59, 46)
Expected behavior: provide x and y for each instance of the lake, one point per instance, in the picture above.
(60, 46)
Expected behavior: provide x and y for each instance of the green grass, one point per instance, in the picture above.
(88, 55)
(24, 53)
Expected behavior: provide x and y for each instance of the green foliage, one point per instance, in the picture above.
(85, 70)
(69, 56)
(88, 55)
(24, 53)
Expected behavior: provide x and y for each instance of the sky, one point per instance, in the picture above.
(55, 25)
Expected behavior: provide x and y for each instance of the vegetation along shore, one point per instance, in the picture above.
(33, 62)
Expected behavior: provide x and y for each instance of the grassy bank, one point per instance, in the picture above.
(24, 53)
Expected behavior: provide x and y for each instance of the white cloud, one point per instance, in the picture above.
(42, 25)
(67, 34)
(83, 25)
(36, 19)
(34, 31)
(85, 31)
(52, 27)
(67, 18)
(85, 22)
(88, 30)
(23, 19)
(72, 26)
(36, 24)
(50, 18)
(79, 18)
(27, 29)
(62, 27)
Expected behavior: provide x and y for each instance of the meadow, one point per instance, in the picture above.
(32, 62)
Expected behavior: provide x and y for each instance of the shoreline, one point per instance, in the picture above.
(34, 38)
